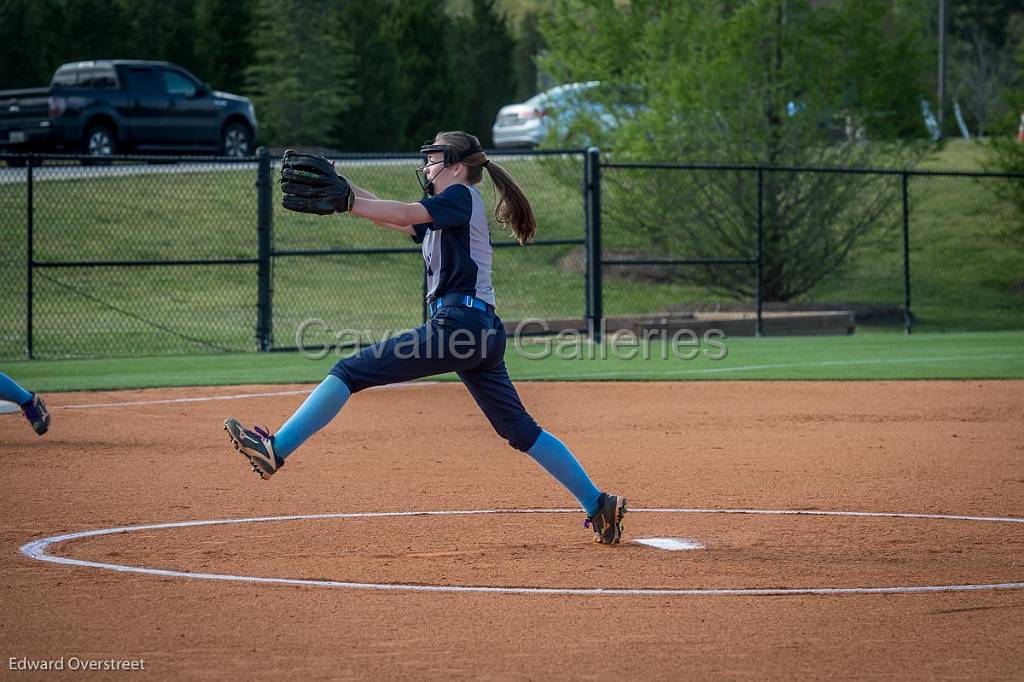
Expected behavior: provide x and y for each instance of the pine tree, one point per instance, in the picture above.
(15, 24)
(422, 37)
(223, 48)
(375, 123)
(302, 76)
(159, 29)
(483, 61)
(528, 45)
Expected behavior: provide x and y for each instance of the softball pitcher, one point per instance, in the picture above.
(464, 333)
(32, 406)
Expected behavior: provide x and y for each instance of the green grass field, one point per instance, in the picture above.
(982, 355)
(965, 277)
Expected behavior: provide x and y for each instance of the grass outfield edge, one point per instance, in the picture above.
(967, 356)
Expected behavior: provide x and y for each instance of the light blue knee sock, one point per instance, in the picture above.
(11, 391)
(558, 461)
(322, 405)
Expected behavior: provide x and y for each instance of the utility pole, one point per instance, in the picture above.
(941, 113)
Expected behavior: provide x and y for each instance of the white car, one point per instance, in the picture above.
(528, 123)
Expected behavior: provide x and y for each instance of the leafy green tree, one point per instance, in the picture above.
(1004, 152)
(301, 80)
(773, 82)
(983, 72)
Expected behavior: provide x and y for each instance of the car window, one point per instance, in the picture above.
(176, 84)
(143, 80)
(560, 95)
(537, 101)
(100, 78)
(555, 96)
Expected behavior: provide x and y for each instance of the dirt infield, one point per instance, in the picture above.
(932, 448)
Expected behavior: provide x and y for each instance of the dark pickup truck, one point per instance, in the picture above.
(118, 106)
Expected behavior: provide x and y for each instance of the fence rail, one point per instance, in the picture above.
(760, 172)
(151, 255)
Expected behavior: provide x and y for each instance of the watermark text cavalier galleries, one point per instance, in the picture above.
(532, 339)
(74, 663)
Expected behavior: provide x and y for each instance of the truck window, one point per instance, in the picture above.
(100, 78)
(143, 80)
(65, 78)
(176, 84)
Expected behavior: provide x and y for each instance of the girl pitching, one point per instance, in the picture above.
(464, 334)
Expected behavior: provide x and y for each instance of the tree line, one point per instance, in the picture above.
(383, 75)
(777, 83)
(367, 75)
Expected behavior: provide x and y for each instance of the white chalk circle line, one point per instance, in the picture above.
(39, 550)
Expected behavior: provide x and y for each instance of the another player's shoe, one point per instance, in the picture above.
(36, 413)
(607, 520)
(256, 445)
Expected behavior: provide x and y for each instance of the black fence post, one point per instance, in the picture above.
(29, 255)
(423, 298)
(907, 319)
(588, 305)
(759, 331)
(592, 173)
(264, 267)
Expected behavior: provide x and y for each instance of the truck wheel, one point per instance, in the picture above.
(99, 140)
(235, 141)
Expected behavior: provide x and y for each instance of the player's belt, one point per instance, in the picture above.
(459, 299)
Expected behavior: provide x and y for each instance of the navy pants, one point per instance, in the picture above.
(468, 341)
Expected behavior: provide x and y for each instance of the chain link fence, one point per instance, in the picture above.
(923, 250)
(137, 256)
(160, 255)
(172, 255)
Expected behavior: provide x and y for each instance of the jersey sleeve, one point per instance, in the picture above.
(421, 232)
(451, 208)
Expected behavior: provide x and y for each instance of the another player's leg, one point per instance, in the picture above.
(31, 404)
(497, 397)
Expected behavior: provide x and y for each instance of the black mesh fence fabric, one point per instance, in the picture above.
(677, 239)
(931, 250)
(162, 255)
(131, 257)
(966, 252)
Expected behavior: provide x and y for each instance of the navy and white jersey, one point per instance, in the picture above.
(456, 244)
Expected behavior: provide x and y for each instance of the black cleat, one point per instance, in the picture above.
(607, 520)
(36, 413)
(257, 447)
